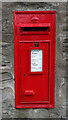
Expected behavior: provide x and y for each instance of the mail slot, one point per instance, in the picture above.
(34, 58)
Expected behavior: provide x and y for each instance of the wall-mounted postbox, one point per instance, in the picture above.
(34, 58)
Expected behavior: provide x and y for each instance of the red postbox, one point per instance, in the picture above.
(34, 58)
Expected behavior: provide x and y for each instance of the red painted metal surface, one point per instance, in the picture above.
(34, 89)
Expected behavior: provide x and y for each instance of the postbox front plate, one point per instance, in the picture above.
(34, 58)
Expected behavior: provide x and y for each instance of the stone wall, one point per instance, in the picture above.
(8, 92)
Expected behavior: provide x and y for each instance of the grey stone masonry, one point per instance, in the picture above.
(8, 82)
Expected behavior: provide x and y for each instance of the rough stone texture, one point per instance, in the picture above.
(0, 60)
(8, 96)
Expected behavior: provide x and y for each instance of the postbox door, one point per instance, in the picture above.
(34, 81)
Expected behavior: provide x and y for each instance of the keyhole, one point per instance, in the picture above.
(24, 74)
